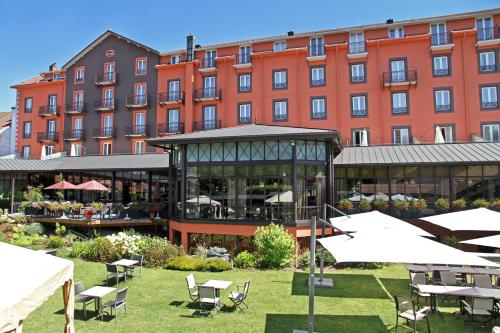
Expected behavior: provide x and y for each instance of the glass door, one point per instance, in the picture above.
(51, 130)
(52, 104)
(77, 128)
(140, 94)
(209, 117)
(173, 121)
(108, 126)
(109, 74)
(484, 28)
(209, 86)
(356, 42)
(438, 34)
(398, 71)
(108, 98)
(140, 127)
(174, 90)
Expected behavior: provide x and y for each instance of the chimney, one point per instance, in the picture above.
(189, 47)
(291, 33)
(52, 67)
(389, 21)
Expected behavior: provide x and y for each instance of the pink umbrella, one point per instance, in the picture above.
(63, 185)
(92, 186)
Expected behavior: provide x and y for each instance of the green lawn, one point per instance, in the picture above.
(278, 302)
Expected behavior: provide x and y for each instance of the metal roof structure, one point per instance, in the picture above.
(247, 133)
(453, 153)
(11, 165)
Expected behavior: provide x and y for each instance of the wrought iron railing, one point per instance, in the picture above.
(409, 75)
(210, 92)
(49, 110)
(76, 107)
(76, 134)
(441, 38)
(106, 78)
(357, 47)
(50, 136)
(137, 100)
(170, 127)
(171, 96)
(105, 132)
(105, 103)
(205, 125)
(139, 130)
(316, 50)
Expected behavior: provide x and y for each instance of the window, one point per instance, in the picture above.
(78, 149)
(140, 123)
(442, 100)
(28, 104)
(79, 74)
(175, 59)
(109, 72)
(140, 94)
(438, 34)
(52, 104)
(245, 55)
(447, 133)
(209, 60)
(27, 129)
(401, 136)
(245, 82)
(318, 107)
(139, 147)
(280, 110)
(357, 73)
(440, 66)
(209, 87)
(484, 28)
(398, 70)
(26, 152)
(487, 62)
(396, 32)
(107, 126)
(209, 117)
(174, 90)
(109, 100)
(357, 136)
(399, 102)
(358, 105)
(356, 42)
(316, 47)
(173, 121)
(141, 66)
(51, 126)
(245, 113)
(77, 129)
(106, 148)
(491, 132)
(280, 79)
(318, 76)
(78, 100)
(489, 99)
(279, 46)
(50, 149)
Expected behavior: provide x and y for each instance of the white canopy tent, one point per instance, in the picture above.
(479, 219)
(28, 278)
(491, 241)
(281, 197)
(204, 200)
(375, 221)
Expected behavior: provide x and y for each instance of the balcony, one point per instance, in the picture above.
(106, 79)
(400, 78)
(49, 110)
(316, 53)
(171, 97)
(488, 36)
(208, 65)
(104, 133)
(137, 101)
(105, 104)
(207, 94)
(170, 128)
(442, 41)
(75, 135)
(75, 108)
(206, 125)
(357, 50)
(44, 137)
(243, 60)
(137, 131)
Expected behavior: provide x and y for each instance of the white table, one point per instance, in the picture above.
(125, 263)
(218, 285)
(98, 292)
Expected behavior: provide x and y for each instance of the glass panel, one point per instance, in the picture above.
(490, 170)
(271, 150)
(474, 171)
(216, 152)
(244, 151)
(301, 150)
(229, 151)
(285, 150)
(192, 171)
(257, 151)
(311, 150)
(320, 151)
(204, 152)
(192, 153)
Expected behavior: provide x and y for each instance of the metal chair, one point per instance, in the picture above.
(238, 297)
(140, 260)
(113, 272)
(482, 281)
(192, 289)
(481, 307)
(405, 308)
(416, 279)
(120, 301)
(83, 299)
(208, 297)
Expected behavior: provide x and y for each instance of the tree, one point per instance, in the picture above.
(275, 246)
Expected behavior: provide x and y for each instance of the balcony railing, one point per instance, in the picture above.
(489, 105)
(488, 33)
(359, 112)
(243, 58)
(77, 134)
(105, 104)
(75, 108)
(280, 116)
(245, 88)
(137, 101)
(400, 109)
(443, 107)
(317, 82)
(106, 78)
(47, 137)
(316, 50)
(358, 78)
(171, 97)
(137, 130)
(49, 110)
(357, 47)
(441, 38)
(207, 93)
(208, 63)
(488, 68)
(441, 71)
(170, 127)
(245, 120)
(404, 76)
(206, 125)
(104, 133)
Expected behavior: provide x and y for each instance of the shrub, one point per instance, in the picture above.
(451, 241)
(185, 264)
(218, 252)
(328, 259)
(157, 251)
(401, 205)
(34, 229)
(419, 204)
(60, 230)
(217, 265)
(55, 242)
(22, 240)
(495, 204)
(442, 204)
(370, 265)
(33, 194)
(53, 206)
(97, 206)
(381, 205)
(76, 206)
(304, 260)
(345, 205)
(275, 246)
(101, 249)
(244, 259)
(79, 250)
(459, 204)
(200, 252)
(365, 205)
(60, 195)
(480, 203)
(125, 244)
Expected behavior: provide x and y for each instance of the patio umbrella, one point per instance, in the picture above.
(438, 136)
(479, 219)
(364, 138)
(490, 241)
(401, 197)
(62, 185)
(281, 197)
(358, 197)
(43, 153)
(92, 186)
(204, 200)
(73, 150)
(381, 196)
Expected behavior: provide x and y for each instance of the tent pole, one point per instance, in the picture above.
(12, 193)
(322, 258)
(312, 265)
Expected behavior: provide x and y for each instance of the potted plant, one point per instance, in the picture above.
(459, 204)
(53, 207)
(345, 205)
(419, 205)
(87, 214)
(97, 207)
(442, 205)
(495, 204)
(480, 203)
(365, 205)
(401, 205)
(75, 208)
(116, 207)
(381, 205)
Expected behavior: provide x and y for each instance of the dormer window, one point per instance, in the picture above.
(175, 59)
(396, 32)
(279, 46)
(141, 66)
(79, 74)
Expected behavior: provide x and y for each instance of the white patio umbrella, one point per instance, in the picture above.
(281, 197)
(364, 138)
(358, 197)
(401, 197)
(381, 196)
(204, 200)
(491, 241)
(397, 247)
(438, 136)
(73, 150)
(376, 221)
(479, 219)
(43, 153)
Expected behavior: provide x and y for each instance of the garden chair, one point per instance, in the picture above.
(482, 281)
(238, 297)
(113, 272)
(83, 299)
(481, 307)
(192, 288)
(208, 297)
(405, 308)
(448, 278)
(120, 301)
(132, 268)
(416, 279)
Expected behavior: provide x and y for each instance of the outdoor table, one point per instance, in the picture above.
(98, 292)
(125, 263)
(218, 285)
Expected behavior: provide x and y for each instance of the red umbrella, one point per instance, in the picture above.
(92, 186)
(63, 185)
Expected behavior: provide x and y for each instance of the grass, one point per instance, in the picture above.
(278, 301)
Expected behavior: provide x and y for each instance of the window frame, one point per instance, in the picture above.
(239, 81)
(450, 92)
(75, 75)
(274, 77)
(279, 41)
(311, 107)
(360, 129)
(396, 29)
(23, 155)
(365, 95)
(311, 68)
(448, 56)
(24, 106)
(453, 132)
(110, 144)
(405, 92)
(481, 86)
(238, 106)
(364, 72)
(137, 60)
(285, 100)
(400, 128)
(24, 129)
(495, 57)
(143, 150)
(489, 124)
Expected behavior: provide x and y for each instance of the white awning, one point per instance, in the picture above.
(376, 221)
(491, 241)
(394, 247)
(479, 219)
(28, 278)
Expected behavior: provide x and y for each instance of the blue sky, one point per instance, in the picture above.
(35, 33)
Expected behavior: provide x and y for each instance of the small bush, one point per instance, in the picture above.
(345, 205)
(55, 242)
(218, 252)
(101, 249)
(217, 265)
(37, 239)
(480, 203)
(459, 204)
(79, 249)
(365, 205)
(381, 205)
(370, 265)
(201, 252)
(401, 205)
(275, 246)
(22, 240)
(244, 260)
(157, 251)
(34, 229)
(419, 204)
(60, 230)
(328, 259)
(495, 204)
(442, 204)
(185, 264)
(451, 241)
(304, 260)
